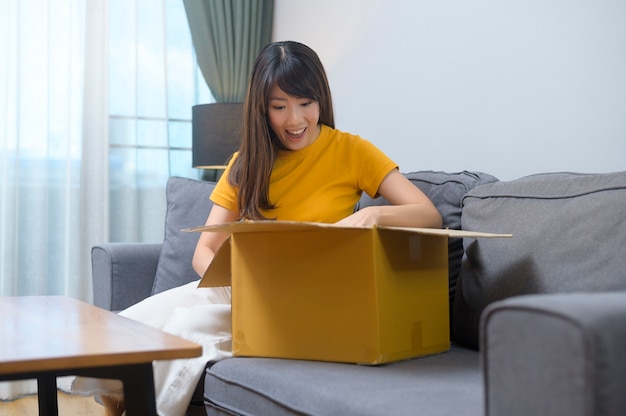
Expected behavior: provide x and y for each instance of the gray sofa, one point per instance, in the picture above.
(538, 322)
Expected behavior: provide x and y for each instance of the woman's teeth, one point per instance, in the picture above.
(296, 132)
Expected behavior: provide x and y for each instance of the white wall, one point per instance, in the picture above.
(506, 87)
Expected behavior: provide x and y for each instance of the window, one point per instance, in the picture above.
(153, 83)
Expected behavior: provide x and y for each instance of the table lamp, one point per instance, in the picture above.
(216, 131)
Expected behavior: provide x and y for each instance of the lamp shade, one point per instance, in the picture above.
(216, 131)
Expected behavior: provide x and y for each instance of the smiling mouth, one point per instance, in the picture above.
(296, 134)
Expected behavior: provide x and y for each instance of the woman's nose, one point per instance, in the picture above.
(294, 115)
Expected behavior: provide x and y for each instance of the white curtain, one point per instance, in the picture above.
(51, 173)
(95, 115)
(53, 148)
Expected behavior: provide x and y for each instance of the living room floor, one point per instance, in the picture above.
(68, 405)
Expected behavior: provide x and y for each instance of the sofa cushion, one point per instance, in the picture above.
(446, 191)
(443, 384)
(569, 234)
(188, 205)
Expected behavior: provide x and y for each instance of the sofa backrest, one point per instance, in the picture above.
(188, 205)
(569, 235)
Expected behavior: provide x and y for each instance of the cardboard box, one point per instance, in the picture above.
(316, 291)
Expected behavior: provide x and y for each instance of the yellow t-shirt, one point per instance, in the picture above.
(320, 183)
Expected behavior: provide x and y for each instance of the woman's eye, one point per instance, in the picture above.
(308, 103)
(278, 107)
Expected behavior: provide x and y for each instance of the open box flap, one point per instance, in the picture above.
(447, 232)
(219, 271)
(275, 226)
(252, 226)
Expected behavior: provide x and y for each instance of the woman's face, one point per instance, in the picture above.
(294, 120)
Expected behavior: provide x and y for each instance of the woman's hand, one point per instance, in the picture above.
(410, 207)
(210, 242)
(365, 217)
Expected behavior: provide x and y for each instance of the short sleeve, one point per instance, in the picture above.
(371, 166)
(225, 193)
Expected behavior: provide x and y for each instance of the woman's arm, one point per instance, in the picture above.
(410, 207)
(209, 243)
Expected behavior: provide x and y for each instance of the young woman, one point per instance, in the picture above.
(292, 165)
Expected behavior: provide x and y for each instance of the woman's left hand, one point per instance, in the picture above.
(408, 206)
(365, 217)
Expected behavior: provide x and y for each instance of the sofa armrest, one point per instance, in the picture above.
(123, 273)
(555, 354)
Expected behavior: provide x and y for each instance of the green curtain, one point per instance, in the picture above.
(227, 36)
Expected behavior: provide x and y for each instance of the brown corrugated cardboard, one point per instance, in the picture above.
(316, 291)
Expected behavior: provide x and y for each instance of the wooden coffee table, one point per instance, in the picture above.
(45, 337)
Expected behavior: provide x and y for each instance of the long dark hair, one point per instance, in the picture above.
(296, 69)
